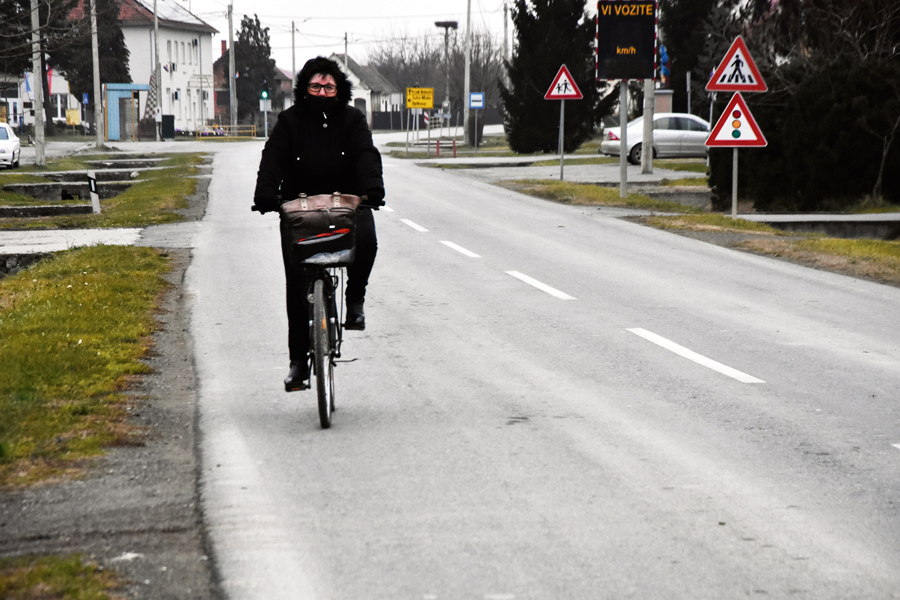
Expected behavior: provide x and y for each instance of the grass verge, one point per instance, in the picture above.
(150, 201)
(52, 578)
(73, 330)
(586, 194)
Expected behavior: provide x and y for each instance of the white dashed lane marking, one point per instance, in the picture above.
(460, 249)
(697, 358)
(541, 286)
(415, 226)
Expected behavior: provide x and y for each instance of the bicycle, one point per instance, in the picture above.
(324, 269)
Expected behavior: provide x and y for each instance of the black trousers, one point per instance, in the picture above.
(357, 280)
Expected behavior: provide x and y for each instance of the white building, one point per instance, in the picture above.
(185, 48)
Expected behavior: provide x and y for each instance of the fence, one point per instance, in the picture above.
(220, 132)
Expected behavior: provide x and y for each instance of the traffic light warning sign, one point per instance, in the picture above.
(736, 128)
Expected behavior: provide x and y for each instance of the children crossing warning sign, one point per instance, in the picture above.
(737, 72)
(563, 87)
(736, 128)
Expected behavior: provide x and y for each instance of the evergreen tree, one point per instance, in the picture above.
(549, 33)
(254, 67)
(74, 57)
(682, 30)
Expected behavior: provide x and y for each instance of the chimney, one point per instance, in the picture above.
(224, 48)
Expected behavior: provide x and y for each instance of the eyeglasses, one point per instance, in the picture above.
(315, 88)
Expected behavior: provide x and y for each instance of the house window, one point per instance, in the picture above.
(169, 50)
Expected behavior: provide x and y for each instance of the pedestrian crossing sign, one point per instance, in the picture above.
(563, 87)
(736, 128)
(737, 72)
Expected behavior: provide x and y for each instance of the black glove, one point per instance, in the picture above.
(266, 203)
(373, 198)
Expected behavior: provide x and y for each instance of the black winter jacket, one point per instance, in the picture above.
(315, 151)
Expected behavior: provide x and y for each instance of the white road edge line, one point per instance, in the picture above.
(415, 226)
(461, 250)
(897, 446)
(541, 286)
(697, 358)
(387, 208)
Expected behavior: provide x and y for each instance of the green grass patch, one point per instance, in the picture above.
(693, 166)
(588, 194)
(686, 182)
(885, 253)
(710, 222)
(73, 329)
(152, 200)
(592, 160)
(54, 578)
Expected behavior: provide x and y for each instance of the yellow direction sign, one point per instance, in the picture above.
(420, 98)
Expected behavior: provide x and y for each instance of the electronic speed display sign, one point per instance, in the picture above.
(626, 39)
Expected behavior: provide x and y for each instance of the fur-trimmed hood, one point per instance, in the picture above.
(326, 66)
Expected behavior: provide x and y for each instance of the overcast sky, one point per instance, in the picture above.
(321, 24)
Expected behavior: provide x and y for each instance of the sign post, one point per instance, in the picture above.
(625, 49)
(736, 128)
(563, 88)
(417, 98)
(476, 103)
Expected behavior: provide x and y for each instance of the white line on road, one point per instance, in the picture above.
(387, 208)
(461, 250)
(415, 226)
(897, 446)
(541, 286)
(697, 358)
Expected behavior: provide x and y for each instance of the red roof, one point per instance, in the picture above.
(136, 13)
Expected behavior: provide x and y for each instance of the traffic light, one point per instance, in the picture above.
(265, 90)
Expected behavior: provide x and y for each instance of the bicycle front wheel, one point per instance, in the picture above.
(324, 352)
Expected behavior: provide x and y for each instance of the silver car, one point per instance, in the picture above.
(10, 151)
(674, 135)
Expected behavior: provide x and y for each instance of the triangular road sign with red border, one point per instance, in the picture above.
(737, 72)
(563, 87)
(736, 128)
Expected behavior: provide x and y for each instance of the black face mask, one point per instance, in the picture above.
(322, 102)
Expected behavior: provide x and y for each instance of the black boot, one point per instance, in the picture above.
(298, 378)
(356, 318)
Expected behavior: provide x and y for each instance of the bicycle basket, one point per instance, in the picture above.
(321, 230)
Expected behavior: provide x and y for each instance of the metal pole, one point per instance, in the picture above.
(734, 181)
(623, 134)
(200, 56)
(649, 107)
(346, 68)
(562, 124)
(98, 99)
(38, 87)
(232, 93)
(467, 49)
(157, 71)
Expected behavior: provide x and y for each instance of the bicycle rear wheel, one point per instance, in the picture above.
(323, 348)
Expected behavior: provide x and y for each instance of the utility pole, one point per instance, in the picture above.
(98, 100)
(505, 42)
(232, 95)
(157, 71)
(38, 88)
(467, 48)
(293, 55)
(346, 60)
(447, 26)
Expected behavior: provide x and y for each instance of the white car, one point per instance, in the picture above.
(10, 150)
(674, 135)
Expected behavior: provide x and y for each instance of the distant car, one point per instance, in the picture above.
(10, 151)
(674, 135)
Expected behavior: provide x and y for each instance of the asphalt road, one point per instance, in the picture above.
(548, 402)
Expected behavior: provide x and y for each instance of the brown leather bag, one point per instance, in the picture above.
(321, 229)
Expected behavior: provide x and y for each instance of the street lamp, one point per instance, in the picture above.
(447, 26)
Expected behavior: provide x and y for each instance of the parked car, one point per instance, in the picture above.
(10, 150)
(674, 135)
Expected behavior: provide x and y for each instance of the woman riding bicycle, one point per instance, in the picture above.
(319, 146)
